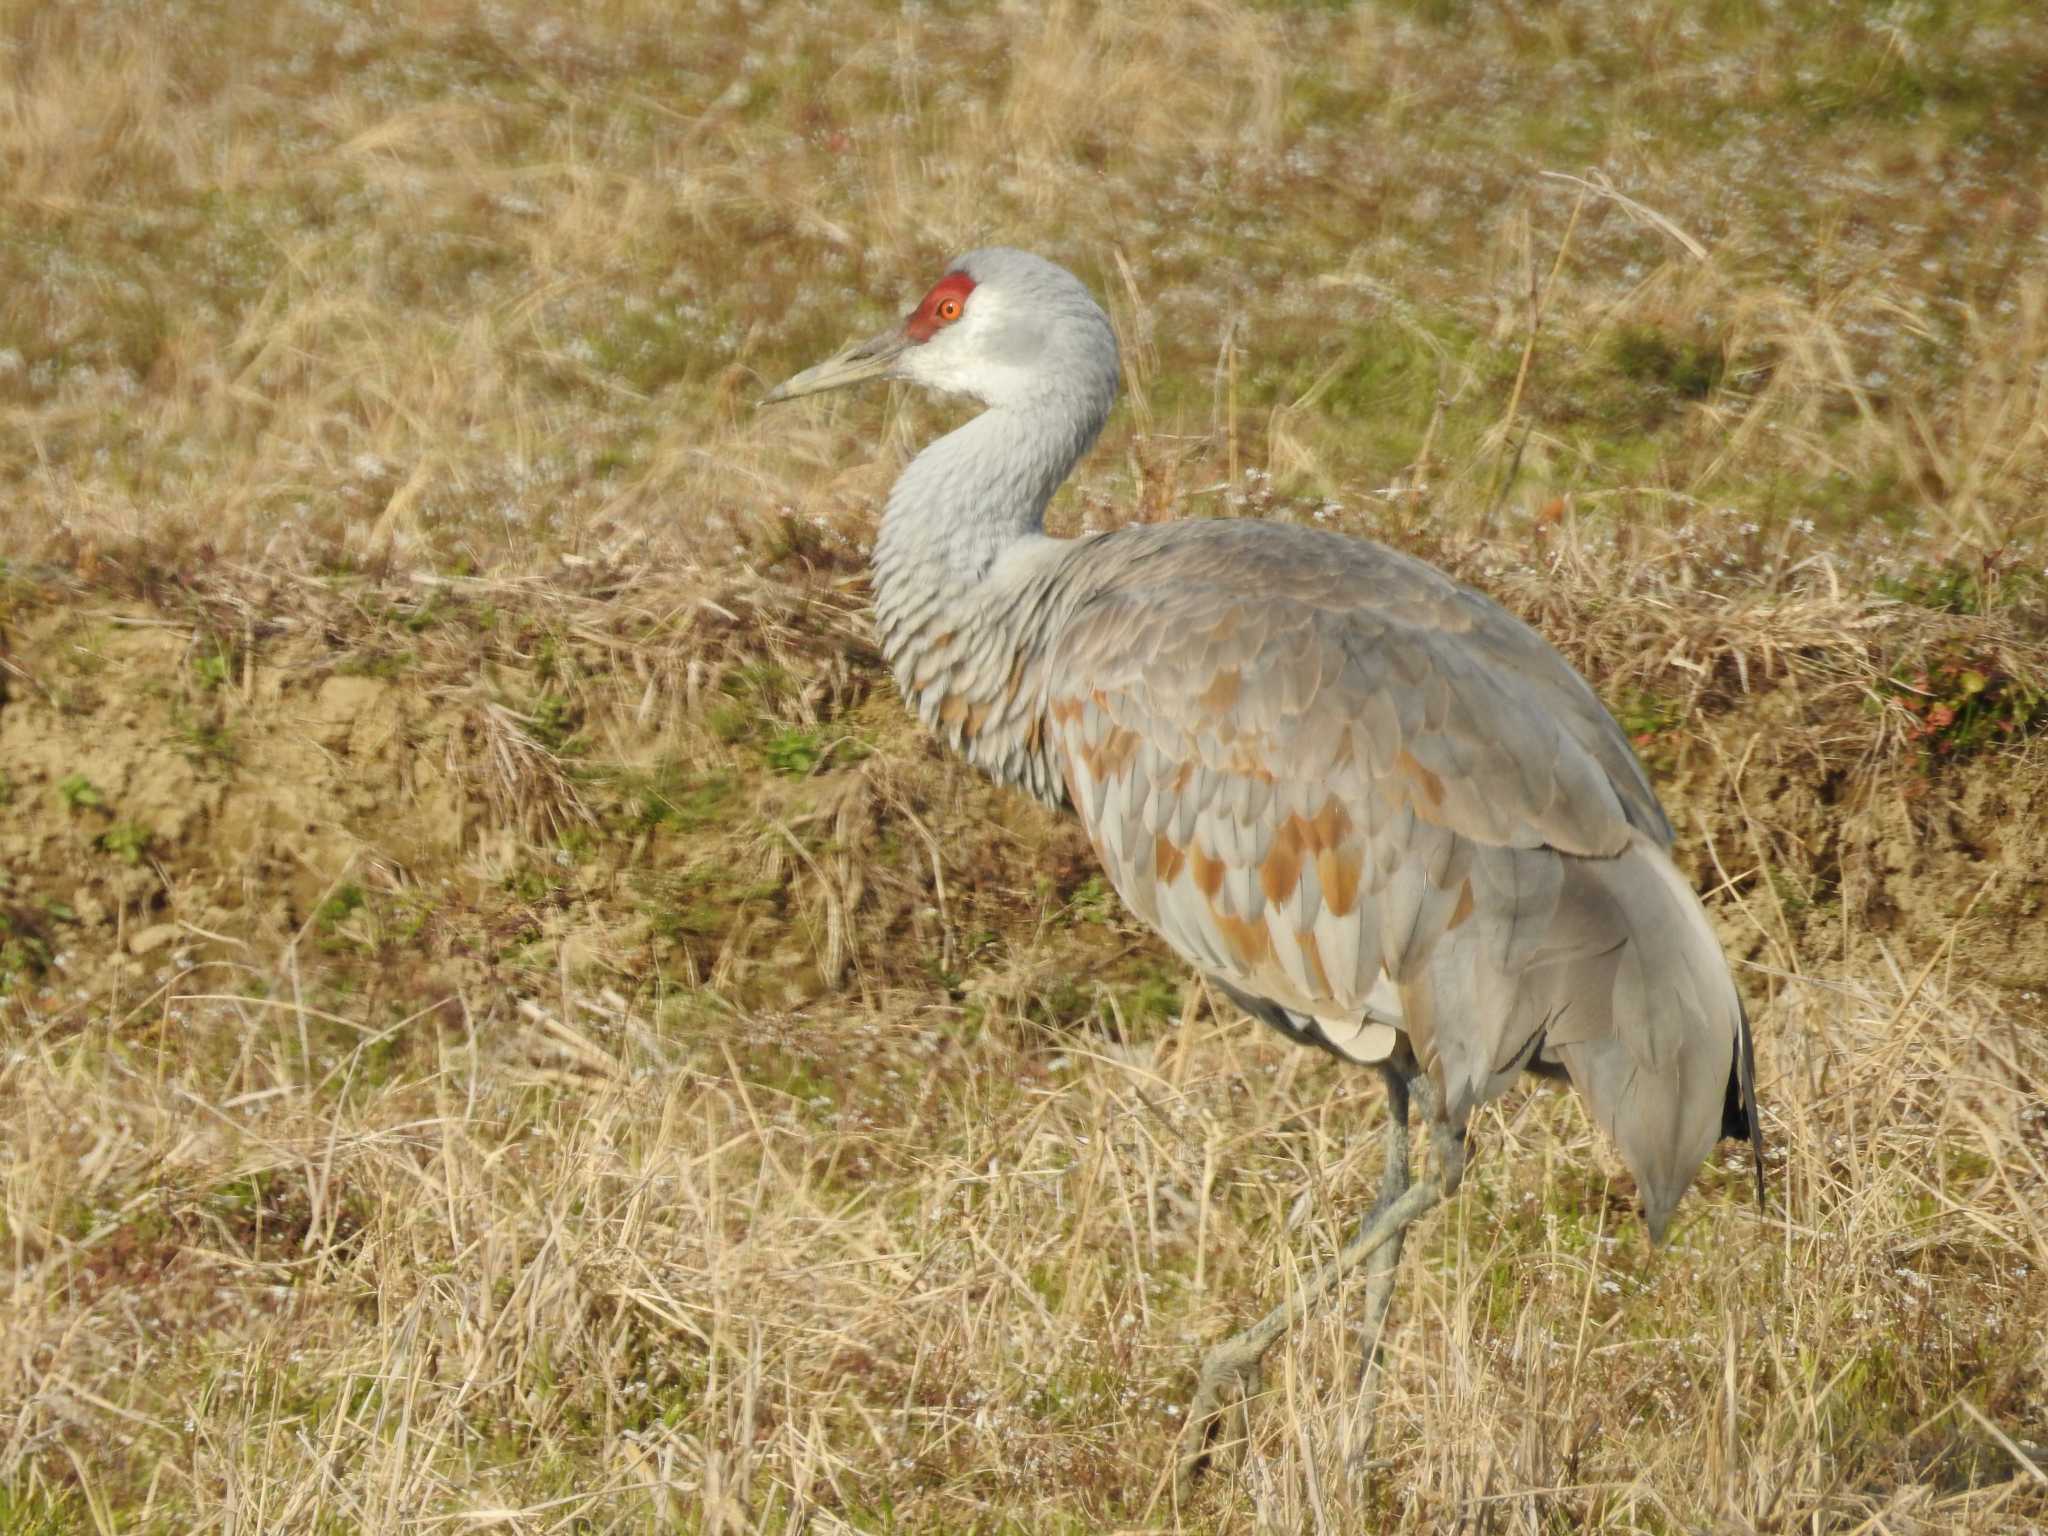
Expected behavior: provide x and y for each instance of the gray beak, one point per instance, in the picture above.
(870, 359)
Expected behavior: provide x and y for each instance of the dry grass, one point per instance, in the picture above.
(507, 1026)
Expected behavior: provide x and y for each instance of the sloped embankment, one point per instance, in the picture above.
(713, 779)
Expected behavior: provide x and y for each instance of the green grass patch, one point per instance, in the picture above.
(793, 752)
(345, 901)
(24, 950)
(383, 664)
(700, 903)
(1686, 367)
(555, 722)
(672, 794)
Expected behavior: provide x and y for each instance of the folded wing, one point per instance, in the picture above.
(1334, 779)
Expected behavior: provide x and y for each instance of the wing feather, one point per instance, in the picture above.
(1319, 767)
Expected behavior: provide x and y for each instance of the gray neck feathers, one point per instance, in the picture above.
(979, 489)
(963, 635)
(970, 496)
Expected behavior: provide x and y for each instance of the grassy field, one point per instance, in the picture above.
(505, 1024)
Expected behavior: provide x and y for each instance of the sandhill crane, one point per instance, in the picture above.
(1377, 810)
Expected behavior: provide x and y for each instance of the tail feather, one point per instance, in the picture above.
(1609, 968)
(1654, 1068)
(1739, 1118)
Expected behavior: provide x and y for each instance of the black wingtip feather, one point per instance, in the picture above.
(1739, 1118)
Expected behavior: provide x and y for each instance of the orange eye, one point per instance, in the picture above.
(946, 303)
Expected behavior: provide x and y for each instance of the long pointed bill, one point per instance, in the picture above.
(864, 360)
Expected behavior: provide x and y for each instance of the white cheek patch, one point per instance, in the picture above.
(1010, 341)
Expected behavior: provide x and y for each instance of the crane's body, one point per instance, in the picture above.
(1377, 809)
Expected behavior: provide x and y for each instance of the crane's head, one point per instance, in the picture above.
(1003, 327)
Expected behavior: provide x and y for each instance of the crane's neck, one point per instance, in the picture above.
(961, 625)
(975, 492)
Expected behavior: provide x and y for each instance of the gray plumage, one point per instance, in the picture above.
(1375, 807)
(1320, 768)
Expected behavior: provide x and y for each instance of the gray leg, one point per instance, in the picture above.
(1381, 1267)
(1233, 1366)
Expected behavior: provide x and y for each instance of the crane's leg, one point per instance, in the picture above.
(1381, 1268)
(1232, 1367)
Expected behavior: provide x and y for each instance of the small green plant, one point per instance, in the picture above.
(751, 693)
(530, 885)
(1646, 717)
(24, 952)
(668, 795)
(793, 753)
(127, 841)
(1946, 589)
(1063, 1005)
(1962, 703)
(79, 792)
(553, 722)
(344, 903)
(205, 743)
(385, 666)
(700, 903)
(1791, 895)
(1992, 583)
(214, 668)
(649, 347)
(730, 721)
(1155, 997)
(423, 617)
(1092, 901)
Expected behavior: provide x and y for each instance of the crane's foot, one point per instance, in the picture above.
(1219, 1417)
(1219, 1423)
